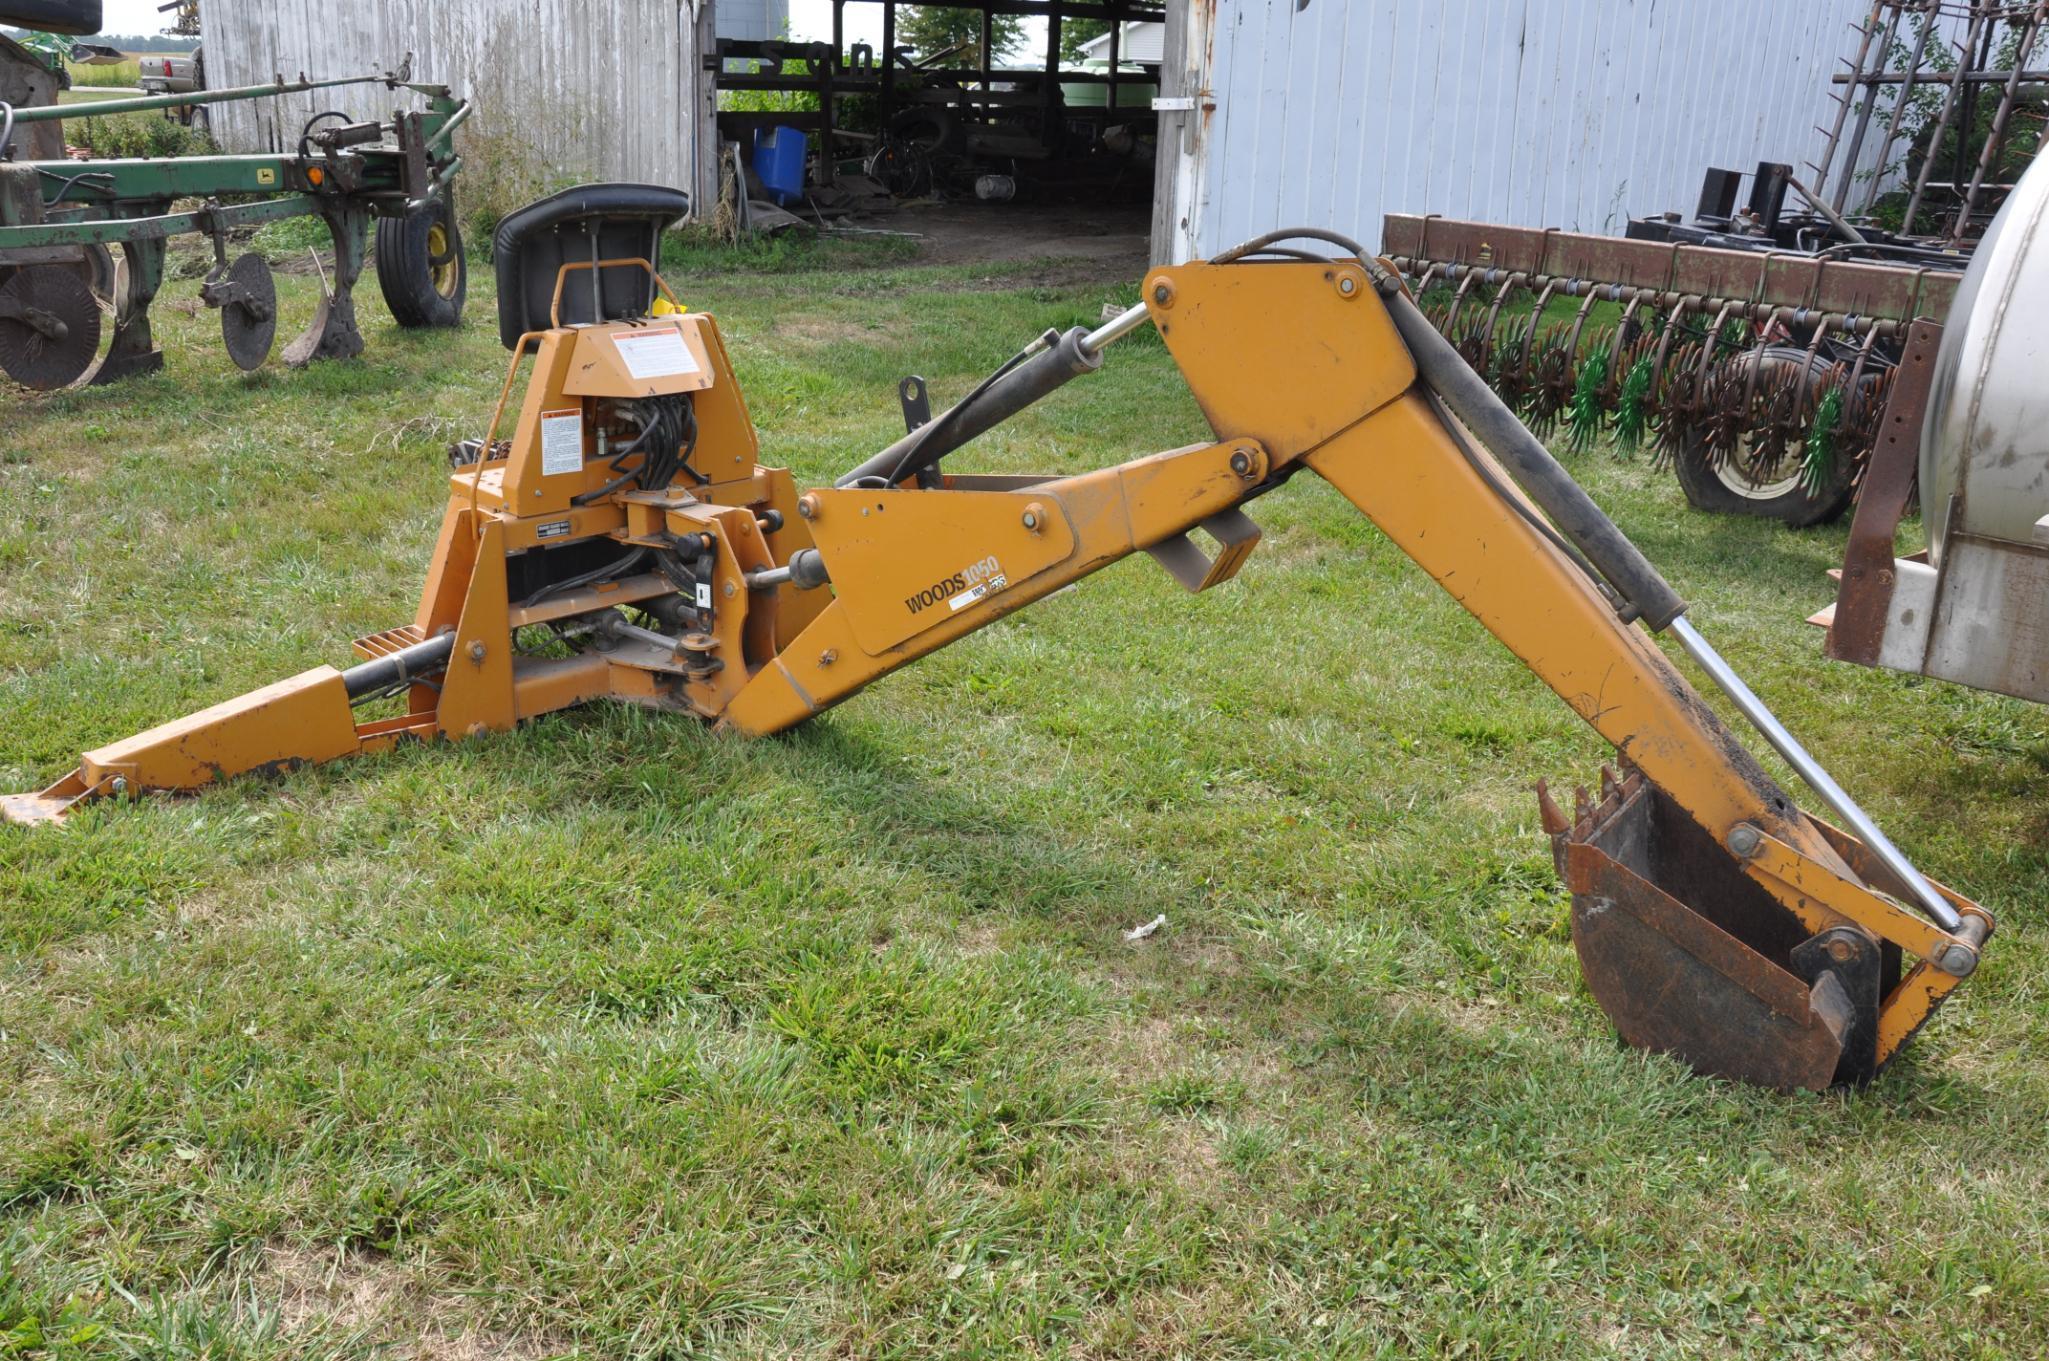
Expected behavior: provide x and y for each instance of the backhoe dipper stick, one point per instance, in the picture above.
(1625, 566)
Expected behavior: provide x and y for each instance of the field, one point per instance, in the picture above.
(121, 76)
(618, 1038)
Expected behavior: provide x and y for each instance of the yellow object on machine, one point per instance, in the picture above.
(624, 543)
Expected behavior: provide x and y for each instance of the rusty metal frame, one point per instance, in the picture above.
(1865, 598)
(1781, 285)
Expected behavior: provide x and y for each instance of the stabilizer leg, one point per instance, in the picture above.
(295, 722)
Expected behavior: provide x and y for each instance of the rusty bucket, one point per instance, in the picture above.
(1690, 958)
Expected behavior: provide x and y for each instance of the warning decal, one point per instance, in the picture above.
(561, 442)
(655, 354)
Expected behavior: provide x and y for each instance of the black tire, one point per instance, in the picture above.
(421, 267)
(1726, 489)
(934, 130)
(72, 18)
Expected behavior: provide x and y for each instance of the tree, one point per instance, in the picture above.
(932, 29)
(1075, 32)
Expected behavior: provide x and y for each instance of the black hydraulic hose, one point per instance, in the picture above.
(306, 132)
(671, 450)
(625, 474)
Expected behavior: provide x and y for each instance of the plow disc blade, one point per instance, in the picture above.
(1689, 958)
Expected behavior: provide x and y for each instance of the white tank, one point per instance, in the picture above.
(1985, 441)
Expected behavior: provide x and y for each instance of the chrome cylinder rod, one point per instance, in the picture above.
(1820, 781)
(1115, 329)
(1118, 327)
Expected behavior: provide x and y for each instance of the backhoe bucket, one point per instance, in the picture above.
(1689, 957)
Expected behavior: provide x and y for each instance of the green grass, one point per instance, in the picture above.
(618, 1038)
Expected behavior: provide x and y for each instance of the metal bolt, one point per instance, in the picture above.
(477, 650)
(1163, 293)
(828, 657)
(1745, 840)
(1347, 285)
(120, 784)
(1840, 949)
(1241, 463)
(731, 590)
(807, 505)
(1034, 517)
(1959, 961)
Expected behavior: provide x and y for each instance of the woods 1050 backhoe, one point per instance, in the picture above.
(626, 517)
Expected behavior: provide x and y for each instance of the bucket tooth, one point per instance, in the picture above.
(1688, 957)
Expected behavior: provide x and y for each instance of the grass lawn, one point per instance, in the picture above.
(617, 1038)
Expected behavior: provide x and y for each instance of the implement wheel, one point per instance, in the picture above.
(49, 326)
(420, 266)
(1758, 476)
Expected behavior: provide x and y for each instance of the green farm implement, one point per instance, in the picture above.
(61, 223)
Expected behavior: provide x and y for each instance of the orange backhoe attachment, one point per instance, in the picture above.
(624, 543)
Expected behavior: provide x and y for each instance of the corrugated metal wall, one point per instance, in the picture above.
(598, 90)
(1542, 113)
(753, 20)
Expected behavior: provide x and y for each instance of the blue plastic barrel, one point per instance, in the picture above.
(779, 162)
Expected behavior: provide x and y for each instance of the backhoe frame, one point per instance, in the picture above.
(1794, 976)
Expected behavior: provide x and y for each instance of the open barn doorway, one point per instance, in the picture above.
(994, 130)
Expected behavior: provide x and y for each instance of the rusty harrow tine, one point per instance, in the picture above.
(1625, 341)
(1501, 296)
(1458, 300)
(1707, 351)
(1579, 320)
(1537, 317)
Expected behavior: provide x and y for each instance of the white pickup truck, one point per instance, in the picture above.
(168, 73)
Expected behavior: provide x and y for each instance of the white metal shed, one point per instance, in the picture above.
(753, 20)
(1142, 43)
(1543, 113)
